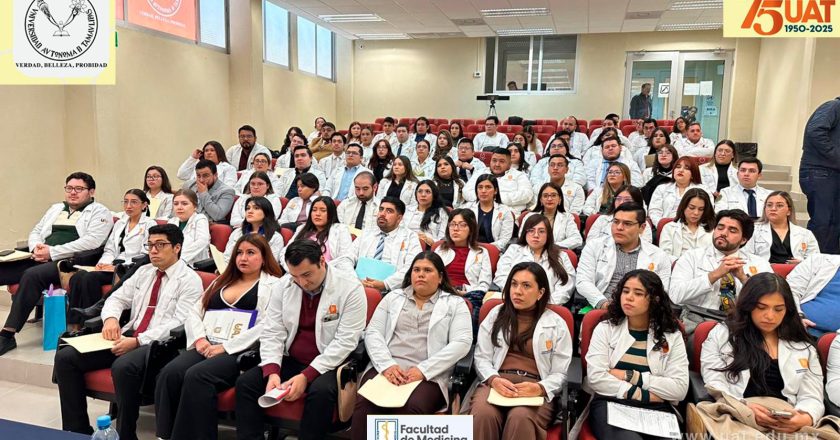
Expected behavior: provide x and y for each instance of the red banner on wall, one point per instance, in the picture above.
(120, 10)
(176, 17)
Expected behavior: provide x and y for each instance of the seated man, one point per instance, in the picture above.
(215, 199)
(321, 147)
(341, 180)
(336, 159)
(610, 121)
(75, 225)
(604, 261)
(389, 242)
(465, 160)
(490, 138)
(160, 295)
(577, 141)
(693, 143)
(297, 209)
(746, 195)
(515, 189)
(596, 170)
(310, 331)
(360, 211)
(287, 183)
(241, 156)
(573, 194)
(815, 284)
(403, 145)
(387, 132)
(712, 276)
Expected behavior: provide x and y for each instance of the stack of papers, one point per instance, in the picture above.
(385, 394)
(499, 400)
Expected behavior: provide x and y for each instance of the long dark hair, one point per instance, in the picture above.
(232, 272)
(432, 213)
(288, 142)
(507, 321)
(456, 178)
(651, 149)
(220, 150)
(495, 182)
(375, 161)
(550, 247)
(634, 192)
(269, 224)
(472, 236)
(660, 312)
(409, 173)
(676, 128)
(445, 283)
(140, 194)
(707, 221)
(675, 155)
(560, 205)
(310, 228)
(523, 164)
(439, 152)
(165, 185)
(262, 176)
(746, 339)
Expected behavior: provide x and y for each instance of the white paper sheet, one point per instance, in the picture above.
(89, 343)
(706, 88)
(691, 89)
(499, 400)
(385, 394)
(15, 256)
(646, 421)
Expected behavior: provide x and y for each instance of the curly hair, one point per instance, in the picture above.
(660, 311)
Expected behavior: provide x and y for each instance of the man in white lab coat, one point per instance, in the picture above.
(747, 195)
(694, 144)
(514, 187)
(241, 155)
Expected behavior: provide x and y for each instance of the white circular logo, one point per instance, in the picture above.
(167, 8)
(61, 30)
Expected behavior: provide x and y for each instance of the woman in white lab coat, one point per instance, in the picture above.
(725, 159)
(214, 152)
(516, 157)
(763, 350)
(427, 217)
(662, 171)
(157, 187)
(495, 221)
(259, 219)
(678, 132)
(692, 228)
(400, 356)
(600, 200)
(666, 198)
(523, 349)
(260, 164)
(777, 237)
(259, 185)
(423, 165)
(398, 182)
(550, 204)
(195, 226)
(535, 245)
(323, 227)
(601, 226)
(636, 356)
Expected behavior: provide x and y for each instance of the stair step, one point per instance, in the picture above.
(775, 175)
(770, 167)
(776, 185)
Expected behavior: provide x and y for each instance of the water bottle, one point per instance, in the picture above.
(104, 430)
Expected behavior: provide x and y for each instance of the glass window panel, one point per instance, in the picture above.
(276, 34)
(306, 45)
(213, 18)
(325, 52)
(558, 62)
(513, 63)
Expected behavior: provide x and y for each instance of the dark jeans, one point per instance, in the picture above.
(86, 288)
(11, 272)
(476, 298)
(34, 281)
(822, 187)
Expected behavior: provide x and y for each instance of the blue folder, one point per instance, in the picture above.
(374, 269)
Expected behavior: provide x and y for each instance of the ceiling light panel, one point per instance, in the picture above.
(350, 18)
(521, 32)
(514, 12)
(683, 5)
(395, 36)
(689, 27)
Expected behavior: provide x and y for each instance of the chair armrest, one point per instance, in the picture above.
(712, 314)
(574, 376)
(248, 359)
(697, 388)
(465, 364)
(830, 408)
(356, 362)
(94, 324)
(22, 248)
(208, 265)
(89, 257)
(178, 332)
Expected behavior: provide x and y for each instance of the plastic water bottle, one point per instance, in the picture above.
(104, 430)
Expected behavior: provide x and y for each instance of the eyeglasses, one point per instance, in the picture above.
(260, 161)
(159, 245)
(462, 225)
(535, 231)
(131, 202)
(352, 153)
(664, 152)
(624, 223)
(621, 200)
(74, 189)
(246, 136)
(154, 177)
(614, 173)
(550, 195)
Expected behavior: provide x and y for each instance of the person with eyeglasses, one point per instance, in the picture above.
(261, 163)
(337, 143)
(75, 225)
(259, 185)
(777, 237)
(666, 198)
(157, 187)
(159, 297)
(599, 160)
(721, 172)
(215, 199)
(514, 187)
(600, 200)
(339, 184)
(541, 172)
(605, 260)
(662, 170)
(466, 162)
(242, 154)
(564, 231)
(303, 162)
(214, 152)
(602, 226)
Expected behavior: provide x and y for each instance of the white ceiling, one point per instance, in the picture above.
(435, 16)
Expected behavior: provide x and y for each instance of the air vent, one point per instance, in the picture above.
(643, 15)
(468, 22)
(427, 35)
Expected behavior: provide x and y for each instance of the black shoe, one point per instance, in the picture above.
(7, 344)
(92, 311)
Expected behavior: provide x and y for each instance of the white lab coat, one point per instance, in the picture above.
(674, 236)
(574, 196)
(329, 164)
(566, 232)
(267, 287)
(164, 210)
(799, 364)
(594, 169)
(514, 188)
(436, 229)
(407, 148)
(334, 181)
(196, 245)
(293, 207)
(515, 253)
(180, 290)
(482, 141)
(401, 246)
(593, 202)
(477, 268)
(602, 227)
(597, 265)
(703, 148)
(666, 199)
(803, 244)
(132, 242)
(348, 210)
(406, 194)
(832, 385)
(579, 143)
(276, 244)
(224, 171)
(241, 186)
(284, 182)
(237, 214)
(233, 153)
(734, 197)
(339, 242)
(501, 223)
(339, 321)
(93, 226)
(690, 278)
(552, 346)
(810, 277)
(449, 337)
(390, 138)
(477, 164)
(539, 173)
(423, 171)
(709, 176)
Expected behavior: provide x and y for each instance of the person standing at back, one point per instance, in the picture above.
(819, 174)
(641, 106)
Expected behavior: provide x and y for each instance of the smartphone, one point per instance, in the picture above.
(3, 253)
(781, 414)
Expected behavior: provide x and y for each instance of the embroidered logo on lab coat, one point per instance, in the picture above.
(510, 177)
(549, 344)
(803, 362)
(804, 246)
(569, 192)
(333, 309)
(650, 266)
(753, 270)
(500, 216)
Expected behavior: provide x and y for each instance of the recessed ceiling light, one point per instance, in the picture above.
(383, 36)
(350, 18)
(514, 12)
(689, 27)
(524, 32)
(683, 5)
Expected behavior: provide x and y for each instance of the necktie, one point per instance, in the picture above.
(150, 309)
(751, 208)
(360, 218)
(604, 169)
(727, 292)
(302, 215)
(243, 160)
(463, 174)
(380, 247)
(399, 150)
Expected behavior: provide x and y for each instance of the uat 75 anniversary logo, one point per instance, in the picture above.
(780, 18)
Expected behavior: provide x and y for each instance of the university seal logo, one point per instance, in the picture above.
(61, 30)
(167, 8)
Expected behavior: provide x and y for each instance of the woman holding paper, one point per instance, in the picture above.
(523, 350)
(195, 226)
(428, 217)
(186, 389)
(157, 187)
(415, 338)
(322, 227)
(259, 219)
(636, 356)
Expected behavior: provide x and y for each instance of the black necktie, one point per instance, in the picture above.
(360, 218)
(399, 150)
(463, 174)
(751, 205)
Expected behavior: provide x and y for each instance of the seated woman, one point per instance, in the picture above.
(601, 226)
(259, 185)
(399, 182)
(427, 217)
(259, 219)
(297, 209)
(366, 141)
(417, 333)
(815, 284)
(636, 356)
(517, 152)
(600, 200)
(777, 237)
(523, 350)
(381, 160)
(214, 152)
(322, 227)
(495, 221)
(662, 171)
(260, 164)
(692, 228)
(294, 137)
(558, 145)
(678, 132)
(666, 198)
(535, 245)
(445, 145)
(186, 389)
(157, 187)
(124, 244)
(195, 226)
(722, 172)
(449, 183)
(763, 351)
(657, 140)
(551, 205)
(467, 264)
(424, 165)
